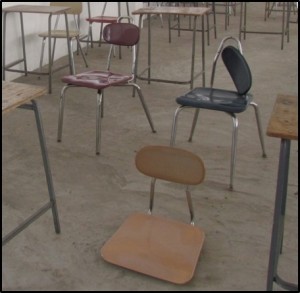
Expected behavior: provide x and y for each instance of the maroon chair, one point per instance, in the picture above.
(120, 34)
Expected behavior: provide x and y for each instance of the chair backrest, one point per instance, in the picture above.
(121, 34)
(235, 63)
(75, 7)
(171, 164)
(238, 69)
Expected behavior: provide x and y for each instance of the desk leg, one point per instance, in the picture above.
(278, 220)
(46, 166)
(149, 47)
(193, 53)
(4, 45)
(49, 55)
(52, 202)
(23, 43)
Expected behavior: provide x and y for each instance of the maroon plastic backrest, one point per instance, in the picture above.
(121, 34)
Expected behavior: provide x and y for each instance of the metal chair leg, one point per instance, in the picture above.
(61, 112)
(233, 148)
(151, 201)
(194, 124)
(261, 137)
(98, 121)
(81, 52)
(42, 54)
(174, 125)
(144, 106)
(190, 204)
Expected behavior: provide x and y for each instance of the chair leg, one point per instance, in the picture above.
(98, 120)
(190, 203)
(72, 56)
(233, 148)
(89, 39)
(194, 124)
(61, 112)
(81, 52)
(174, 125)
(261, 137)
(144, 106)
(152, 187)
(42, 54)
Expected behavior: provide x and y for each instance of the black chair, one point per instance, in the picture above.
(230, 102)
(120, 34)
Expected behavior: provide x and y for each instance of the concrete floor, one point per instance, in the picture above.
(95, 194)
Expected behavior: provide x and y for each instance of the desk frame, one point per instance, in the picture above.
(286, 132)
(40, 10)
(51, 204)
(189, 11)
(284, 29)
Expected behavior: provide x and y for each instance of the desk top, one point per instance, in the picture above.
(193, 11)
(15, 94)
(283, 122)
(36, 9)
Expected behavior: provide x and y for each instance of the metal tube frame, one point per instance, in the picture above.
(52, 199)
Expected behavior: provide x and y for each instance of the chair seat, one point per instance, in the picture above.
(102, 19)
(156, 246)
(96, 79)
(60, 34)
(215, 99)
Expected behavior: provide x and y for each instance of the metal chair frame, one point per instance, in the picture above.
(124, 80)
(230, 113)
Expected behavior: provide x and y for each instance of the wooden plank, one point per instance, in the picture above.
(36, 9)
(15, 94)
(283, 122)
(192, 11)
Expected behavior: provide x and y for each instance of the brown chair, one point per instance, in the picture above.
(75, 10)
(120, 34)
(153, 245)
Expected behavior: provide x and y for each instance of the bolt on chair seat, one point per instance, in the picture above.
(230, 102)
(154, 245)
(120, 34)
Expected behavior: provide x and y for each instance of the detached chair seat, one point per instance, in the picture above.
(223, 100)
(157, 246)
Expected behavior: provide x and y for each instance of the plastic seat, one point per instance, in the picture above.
(120, 34)
(158, 246)
(75, 10)
(227, 101)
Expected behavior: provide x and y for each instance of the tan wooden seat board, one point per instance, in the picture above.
(156, 246)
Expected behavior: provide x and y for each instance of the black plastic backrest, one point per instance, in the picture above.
(238, 69)
(121, 34)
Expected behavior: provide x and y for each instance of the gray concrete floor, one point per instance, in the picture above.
(95, 194)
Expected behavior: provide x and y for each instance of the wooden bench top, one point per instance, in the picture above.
(36, 9)
(283, 122)
(15, 94)
(192, 11)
